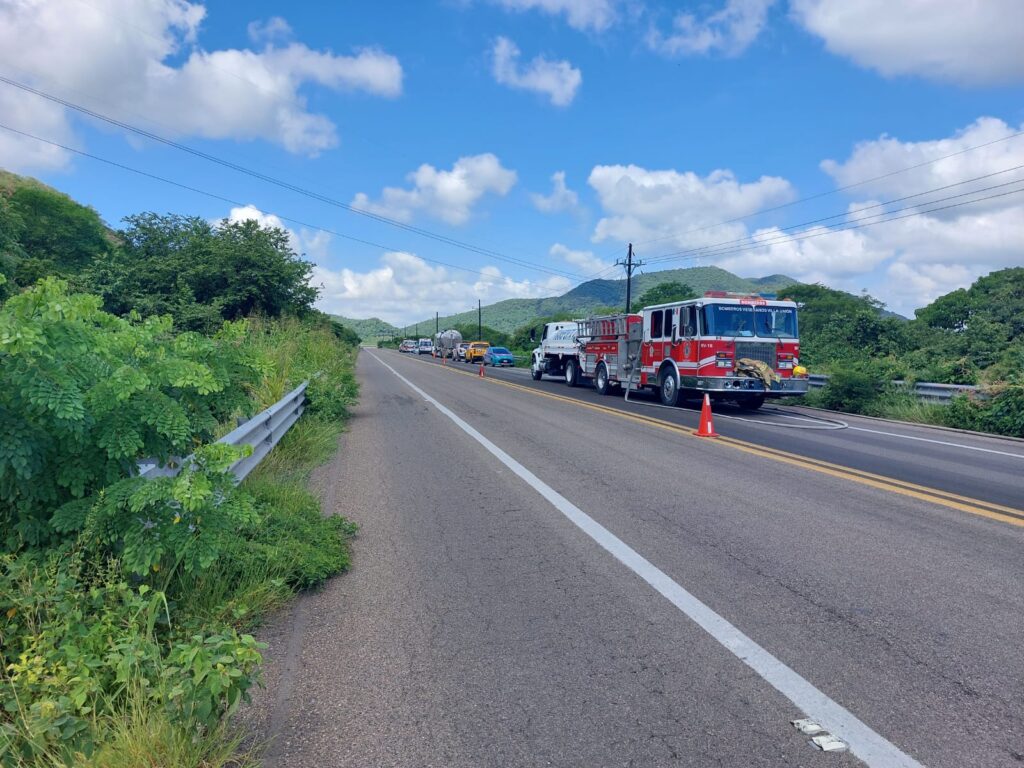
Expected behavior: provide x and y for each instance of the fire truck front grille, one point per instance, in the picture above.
(756, 350)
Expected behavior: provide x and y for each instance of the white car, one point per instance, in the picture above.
(425, 347)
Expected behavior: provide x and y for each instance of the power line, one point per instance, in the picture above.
(285, 184)
(810, 235)
(826, 193)
(213, 195)
(709, 250)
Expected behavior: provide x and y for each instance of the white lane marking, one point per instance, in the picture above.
(820, 424)
(869, 746)
(939, 442)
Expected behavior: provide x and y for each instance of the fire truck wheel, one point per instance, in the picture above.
(751, 403)
(537, 374)
(572, 376)
(601, 379)
(669, 388)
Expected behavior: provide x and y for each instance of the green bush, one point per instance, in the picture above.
(122, 600)
(1002, 412)
(852, 390)
(168, 522)
(84, 395)
(77, 643)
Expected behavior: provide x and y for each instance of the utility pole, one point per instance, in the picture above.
(437, 320)
(479, 322)
(630, 265)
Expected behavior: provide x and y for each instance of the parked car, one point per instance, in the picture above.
(425, 347)
(476, 350)
(499, 356)
(460, 351)
(407, 346)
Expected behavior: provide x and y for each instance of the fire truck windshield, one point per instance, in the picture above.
(745, 320)
(775, 322)
(728, 319)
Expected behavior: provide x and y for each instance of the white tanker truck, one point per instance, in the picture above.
(446, 343)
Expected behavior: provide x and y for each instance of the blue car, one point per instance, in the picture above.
(499, 356)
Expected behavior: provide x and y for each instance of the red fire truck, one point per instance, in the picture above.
(733, 346)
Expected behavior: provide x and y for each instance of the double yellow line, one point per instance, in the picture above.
(922, 493)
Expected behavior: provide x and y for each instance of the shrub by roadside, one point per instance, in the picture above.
(999, 408)
(123, 602)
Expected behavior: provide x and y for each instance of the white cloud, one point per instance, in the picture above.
(406, 288)
(818, 254)
(935, 253)
(728, 31)
(908, 262)
(678, 209)
(41, 118)
(976, 43)
(446, 195)
(584, 262)
(274, 28)
(871, 159)
(558, 80)
(561, 198)
(311, 243)
(121, 57)
(595, 15)
(909, 286)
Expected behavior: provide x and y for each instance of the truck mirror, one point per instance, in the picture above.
(533, 334)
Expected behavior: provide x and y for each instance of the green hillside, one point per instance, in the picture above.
(511, 314)
(370, 329)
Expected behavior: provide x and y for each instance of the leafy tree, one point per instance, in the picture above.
(981, 327)
(62, 234)
(664, 293)
(201, 273)
(821, 304)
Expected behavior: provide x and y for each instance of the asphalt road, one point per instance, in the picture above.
(981, 467)
(500, 612)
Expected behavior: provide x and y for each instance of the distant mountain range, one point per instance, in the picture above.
(510, 314)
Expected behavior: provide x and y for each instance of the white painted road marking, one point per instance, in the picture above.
(874, 749)
(939, 442)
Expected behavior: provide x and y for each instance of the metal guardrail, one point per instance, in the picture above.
(926, 391)
(263, 431)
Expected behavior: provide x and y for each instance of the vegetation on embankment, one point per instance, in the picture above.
(973, 335)
(124, 603)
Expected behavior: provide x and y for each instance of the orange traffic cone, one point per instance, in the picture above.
(707, 425)
(481, 370)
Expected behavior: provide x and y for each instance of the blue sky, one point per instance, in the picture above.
(549, 132)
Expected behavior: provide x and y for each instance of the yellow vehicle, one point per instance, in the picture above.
(476, 350)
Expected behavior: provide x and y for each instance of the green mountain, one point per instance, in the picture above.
(511, 314)
(371, 329)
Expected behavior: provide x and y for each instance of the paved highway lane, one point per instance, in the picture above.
(482, 626)
(981, 468)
